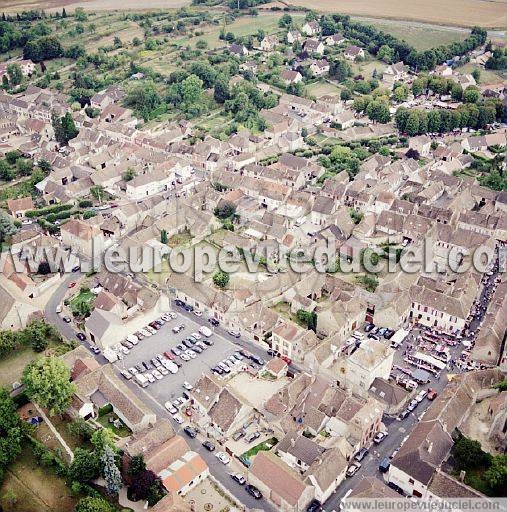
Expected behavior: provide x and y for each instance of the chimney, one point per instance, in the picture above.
(462, 476)
(292, 442)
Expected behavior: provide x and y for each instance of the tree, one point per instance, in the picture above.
(400, 93)
(221, 91)
(496, 474)
(221, 279)
(80, 428)
(340, 70)
(307, 318)
(85, 466)
(225, 210)
(285, 21)
(471, 95)
(44, 166)
(64, 128)
(93, 504)
(412, 126)
(129, 174)
(98, 192)
(163, 237)
(110, 472)
(418, 86)
(47, 382)
(476, 73)
(43, 48)
(378, 110)
(469, 454)
(14, 73)
(102, 438)
(7, 227)
(143, 98)
(143, 484)
(386, 53)
(11, 431)
(136, 465)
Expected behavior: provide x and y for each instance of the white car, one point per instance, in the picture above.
(170, 407)
(197, 312)
(144, 332)
(26, 222)
(133, 339)
(188, 386)
(157, 375)
(151, 329)
(163, 370)
(170, 366)
(172, 314)
(196, 335)
(191, 354)
(165, 317)
(177, 418)
(149, 377)
(223, 457)
(184, 356)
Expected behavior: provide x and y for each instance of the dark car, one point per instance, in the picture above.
(66, 319)
(197, 348)
(217, 369)
(80, 336)
(190, 431)
(208, 341)
(209, 446)
(403, 415)
(384, 465)
(176, 351)
(139, 368)
(188, 343)
(389, 334)
(214, 321)
(76, 268)
(147, 365)
(188, 307)
(273, 353)
(253, 491)
(179, 302)
(368, 327)
(314, 506)
(257, 359)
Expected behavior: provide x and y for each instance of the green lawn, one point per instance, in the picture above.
(123, 431)
(12, 366)
(319, 89)
(84, 296)
(264, 446)
(35, 488)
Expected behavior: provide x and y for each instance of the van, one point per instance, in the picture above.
(141, 380)
(59, 308)
(358, 335)
(383, 467)
(205, 331)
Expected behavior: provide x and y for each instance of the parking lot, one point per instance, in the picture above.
(171, 385)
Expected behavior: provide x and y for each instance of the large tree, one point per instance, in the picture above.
(11, 431)
(94, 504)
(47, 382)
(110, 472)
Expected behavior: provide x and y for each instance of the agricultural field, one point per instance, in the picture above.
(419, 35)
(461, 13)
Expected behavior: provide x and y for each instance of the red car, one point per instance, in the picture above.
(432, 394)
(288, 360)
(169, 355)
(72, 284)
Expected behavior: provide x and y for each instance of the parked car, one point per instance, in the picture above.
(133, 370)
(197, 312)
(253, 491)
(273, 353)
(314, 506)
(379, 437)
(178, 328)
(235, 334)
(66, 319)
(223, 457)
(368, 327)
(149, 377)
(252, 437)
(257, 359)
(147, 365)
(288, 360)
(179, 303)
(209, 446)
(72, 284)
(353, 469)
(421, 395)
(81, 336)
(361, 454)
(383, 467)
(191, 432)
(196, 335)
(188, 386)
(157, 375)
(197, 348)
(126, 374)
(214, 322)
(184, 356)
(432, 394)
(176, 351)
(239, 478)
(191, 354)
(403, 415)
(178, 419)
(188, 307)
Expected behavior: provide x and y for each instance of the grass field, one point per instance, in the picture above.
(12, 366)
(419, 35)
(488, 76)
(319, 89)
(36, 489)
(462, 13)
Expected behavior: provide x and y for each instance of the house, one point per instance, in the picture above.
(18, 207)
(391, 395)
(276, 367)
(16, 309)
(421, 144)
(150, 183)
(313, 46)
(334, 39)
(28, 67)
(319, 67)
(292, 341)
(238, 49)
(294, 36)
(228, 414)
(371, 360)
(311, 28)
(269, 43)
(353, 52)
(101, 387)
(86, 238)
(394, 73)
(289, 76)
(298, 452)
(279, 484)
(168, 455)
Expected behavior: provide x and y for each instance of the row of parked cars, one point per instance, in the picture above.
(429, 393)
(376, 333)
(234, 361)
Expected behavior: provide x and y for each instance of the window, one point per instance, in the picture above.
(410, 481)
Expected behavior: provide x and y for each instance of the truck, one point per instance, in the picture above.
(205, 331)
(384, 465)
(399, 337)
(141, 380)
